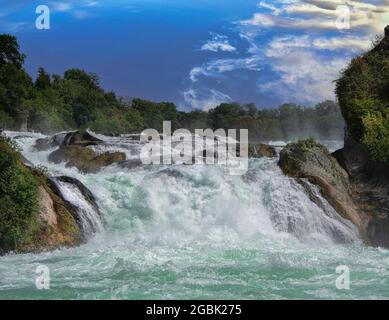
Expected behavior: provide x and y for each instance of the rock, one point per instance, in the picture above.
(310, 160)
(77, 212)
(75, 156)
(80, 138)
(371, 188)
(261, 150)
(107, 158)
(48, 143)
(63, 139)
(46, 208)
(58, 226)
(44, 144)
(84, 159)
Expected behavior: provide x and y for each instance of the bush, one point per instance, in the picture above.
(376, 135)
(18, 199)
(364, 99)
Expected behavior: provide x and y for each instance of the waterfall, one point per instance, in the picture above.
(81, 202)
(194, 203)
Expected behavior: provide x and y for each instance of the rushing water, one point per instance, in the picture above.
(194, 232)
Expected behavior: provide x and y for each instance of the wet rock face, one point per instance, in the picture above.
(307, 159)
(357, 188)
(80, 138)
(371, 189)
(44, 144)
(378, 232)
(58, 226)
(84, 159)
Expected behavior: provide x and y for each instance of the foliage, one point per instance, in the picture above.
(363, 94)
(376, 135)
(18, 199)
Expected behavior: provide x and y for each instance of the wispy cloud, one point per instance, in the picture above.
(295, 48)
(317, 14)
(15, 26)
(303, 74)
(61, 6)
(218, 43)
(204, 99)
(216, 68)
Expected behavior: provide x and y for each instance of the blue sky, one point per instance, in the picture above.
(198, 53)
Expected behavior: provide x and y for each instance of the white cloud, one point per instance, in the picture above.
(276, 11)
(305, 57)
(216, 46)
(347, 43)
(205, 99)
(260, 19)
(15, 27)
(314, 14)
(88, 3)
(218, 43)
(61, 6)
(79, 14)
(76, 8)
(304, 75)
(216, 68)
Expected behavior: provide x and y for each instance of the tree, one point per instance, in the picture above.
(43, 80)
(15, 83)
(9, 51)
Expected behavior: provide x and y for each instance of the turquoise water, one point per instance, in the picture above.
(199, 234)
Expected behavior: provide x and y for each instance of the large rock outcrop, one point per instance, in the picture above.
(355, 187)
(312, 161)
(370, 180)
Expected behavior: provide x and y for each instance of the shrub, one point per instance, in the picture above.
(363, 96)
(376, 135)
(18, 199)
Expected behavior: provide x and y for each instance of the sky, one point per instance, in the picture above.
(199, 53)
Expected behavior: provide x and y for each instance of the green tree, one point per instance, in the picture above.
(43, 80)
(15, 83)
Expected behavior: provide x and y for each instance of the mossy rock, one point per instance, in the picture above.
(85, 159)
(309, 160)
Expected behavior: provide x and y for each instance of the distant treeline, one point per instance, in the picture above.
(76, 100)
